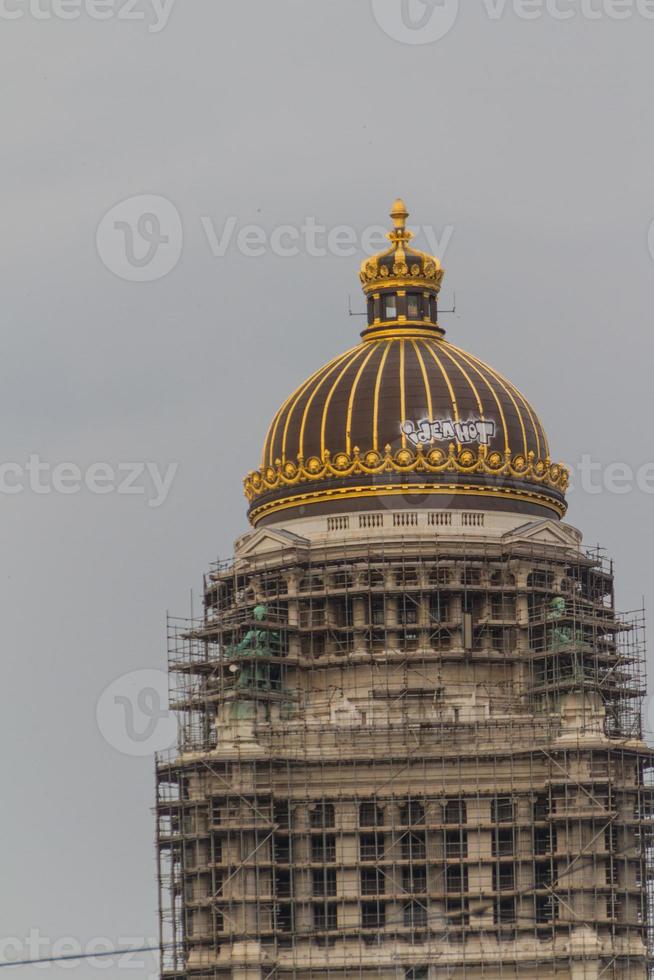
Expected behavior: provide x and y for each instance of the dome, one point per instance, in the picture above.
(405, 415)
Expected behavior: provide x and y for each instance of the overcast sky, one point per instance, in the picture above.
(524, 146)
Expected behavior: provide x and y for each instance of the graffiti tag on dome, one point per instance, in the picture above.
(426, 431)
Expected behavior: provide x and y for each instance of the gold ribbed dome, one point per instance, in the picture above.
(358, 398)
(405, 414)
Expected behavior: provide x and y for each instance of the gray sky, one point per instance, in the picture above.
(527, 143)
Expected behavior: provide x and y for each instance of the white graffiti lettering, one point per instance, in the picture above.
(426, 431)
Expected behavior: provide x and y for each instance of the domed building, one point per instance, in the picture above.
(410, 715)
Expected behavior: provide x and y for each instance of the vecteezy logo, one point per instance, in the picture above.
(141, 238)
(650, 239)
(416, 21)
(133, 716)
(447, 430)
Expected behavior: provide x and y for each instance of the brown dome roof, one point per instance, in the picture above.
(361, 398)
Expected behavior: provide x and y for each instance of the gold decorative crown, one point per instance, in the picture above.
(401, 265)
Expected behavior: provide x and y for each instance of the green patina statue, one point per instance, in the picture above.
(255, 677)
(560, 635)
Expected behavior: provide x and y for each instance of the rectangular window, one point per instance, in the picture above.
(373, 915)
(373, 881)
(323, 848)
(216, 849)
(218, 919)
(283, 884)
(457, 910)
(281, 847)
(414, 878)
(370, 814)
(323, 815)
(471, 576)
(456, 878)
(390, 307)
(377, 611)
(325, 916)
(414, 846)
(324, 883)
(541, 807)
(547, 908)
(544, 840)
(503, 842)
(282, 814)
(456, 843)
(502, 809)
(414, 307)
(611, 838)
(372, 846)
(455, 811)
(283, 918)
(504, 912)
(544, 875)
(503, 877)
(415, 915)
(312, 645)
(407, 613)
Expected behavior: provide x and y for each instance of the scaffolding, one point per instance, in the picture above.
(414, 758)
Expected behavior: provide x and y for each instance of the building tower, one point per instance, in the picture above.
(410, 715)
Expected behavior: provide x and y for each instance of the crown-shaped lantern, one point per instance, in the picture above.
(401, 264)
(402, 283)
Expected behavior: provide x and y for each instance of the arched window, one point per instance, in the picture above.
(371, 814)
(412, 813)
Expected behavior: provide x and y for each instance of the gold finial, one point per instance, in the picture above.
(399, 214)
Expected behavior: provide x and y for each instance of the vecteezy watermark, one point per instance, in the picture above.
(133, 715)
(416, 21)
(592, 477)
(141, 239)
(99, 952)
(571, 9)
(650, 239)
(156, 13)
(427, 21)
(43, 478)
(311, 238)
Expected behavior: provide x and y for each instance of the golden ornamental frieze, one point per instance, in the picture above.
(286, 473)
(425, 272)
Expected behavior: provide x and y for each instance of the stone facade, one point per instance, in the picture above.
(408, 750)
